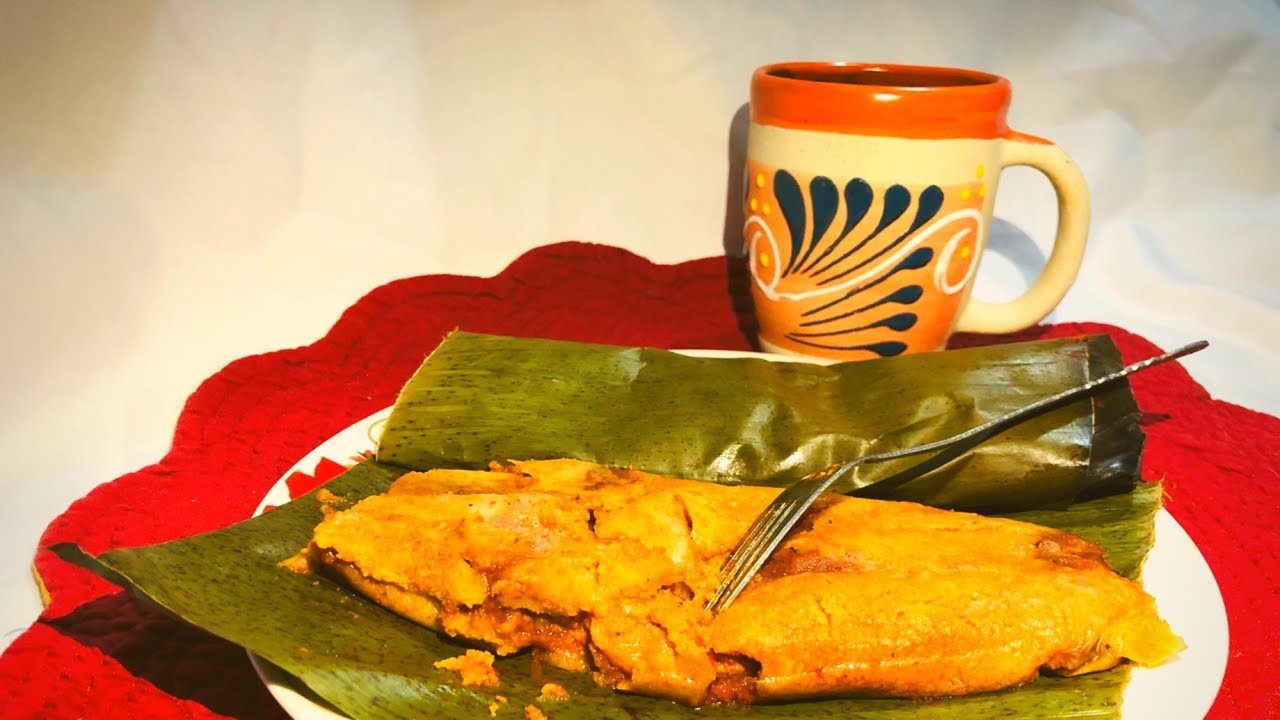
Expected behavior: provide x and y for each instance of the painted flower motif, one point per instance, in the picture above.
(858, 264)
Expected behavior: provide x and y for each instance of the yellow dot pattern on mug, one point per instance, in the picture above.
(967, 192)
(753, 201)
(764, 259)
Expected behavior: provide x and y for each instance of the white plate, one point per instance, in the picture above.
(1175, 573)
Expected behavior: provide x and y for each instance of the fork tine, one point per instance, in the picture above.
(759, 542)
(764, 526)
(767, 532)
(749, 548)
(759, 551)
(762, 521)
(733, 563)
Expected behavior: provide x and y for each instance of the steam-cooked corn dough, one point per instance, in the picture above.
(607, 571)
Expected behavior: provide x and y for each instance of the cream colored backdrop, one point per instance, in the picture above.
(186, 183)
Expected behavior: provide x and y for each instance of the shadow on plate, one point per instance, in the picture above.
(177, 658)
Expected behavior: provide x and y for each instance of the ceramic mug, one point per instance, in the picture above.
(868, 196)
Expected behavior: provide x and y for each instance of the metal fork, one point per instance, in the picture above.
(772, 525)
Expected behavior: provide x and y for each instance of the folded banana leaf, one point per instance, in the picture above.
(478, 398)
(372, 664)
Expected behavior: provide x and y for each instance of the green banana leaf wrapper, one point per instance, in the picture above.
(368, 662)
(480, 398)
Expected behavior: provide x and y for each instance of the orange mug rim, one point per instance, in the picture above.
(960, 103)
(980, 81)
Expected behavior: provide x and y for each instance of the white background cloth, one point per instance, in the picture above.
(183, 184)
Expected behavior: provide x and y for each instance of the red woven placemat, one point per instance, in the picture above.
(98, 653)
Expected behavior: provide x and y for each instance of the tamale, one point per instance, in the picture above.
(608, 571)
(376, 665)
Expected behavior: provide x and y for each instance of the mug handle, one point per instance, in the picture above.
(1068, 246)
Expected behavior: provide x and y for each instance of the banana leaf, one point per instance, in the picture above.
(370, 663)
(680, 416)
(478, 398)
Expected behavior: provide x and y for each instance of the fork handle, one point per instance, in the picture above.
(1008, 420)
(997, 425)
